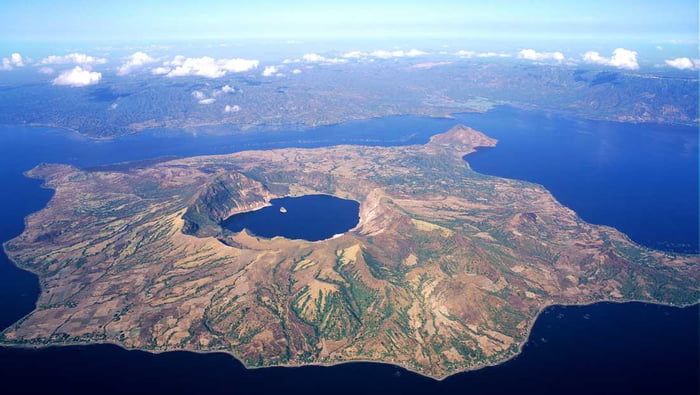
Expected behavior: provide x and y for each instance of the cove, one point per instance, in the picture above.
(309, 217)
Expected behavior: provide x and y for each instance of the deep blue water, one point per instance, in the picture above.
(606, 348)
(640, 179)
(309, 217)
(629, 348)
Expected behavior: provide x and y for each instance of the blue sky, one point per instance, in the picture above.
(127, 20)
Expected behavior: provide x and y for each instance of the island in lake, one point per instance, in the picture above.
(445, 271)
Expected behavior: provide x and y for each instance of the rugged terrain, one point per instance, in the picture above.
(339, 93)
(446, 270)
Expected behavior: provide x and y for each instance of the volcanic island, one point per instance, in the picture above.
(446, 270)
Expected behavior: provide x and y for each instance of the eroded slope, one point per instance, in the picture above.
(446, 270)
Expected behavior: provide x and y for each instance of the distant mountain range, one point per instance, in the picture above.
(337, 93)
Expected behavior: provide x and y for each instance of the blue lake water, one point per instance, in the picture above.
(641, 179)
(606, 348)
(309, 217)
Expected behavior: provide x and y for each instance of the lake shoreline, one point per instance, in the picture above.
(340, 363)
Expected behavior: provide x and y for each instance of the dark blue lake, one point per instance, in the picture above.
(309, 217)
(633, 177)
(606, 348)
(639, 178)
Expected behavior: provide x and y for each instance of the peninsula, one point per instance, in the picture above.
(446, 270)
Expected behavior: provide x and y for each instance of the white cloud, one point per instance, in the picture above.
(415, 52)
(161, 70)
(531, 54)
(206, 66)
(114, 106)
(621, 58)
(492, 55)
(47, 70)
(465, 54)
(234, 108)
(396, 54)
(15, 60)
(312, 57)
(386, 54)
(134, 61)
(73, 58)
(382, 54)
(594, 57)
(199, 95)
(269, 71)
(472, 54)
(203, 67)
(296, 71)
(684, 63)
(77, 77)
(429, 65)
(176, 61)
(316, 58)
(207, 101)
(224, 90)
(238, 65)
(354, 54)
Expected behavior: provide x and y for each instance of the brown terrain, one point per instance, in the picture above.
(446, 270)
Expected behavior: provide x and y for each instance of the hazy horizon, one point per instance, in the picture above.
(74, 20)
